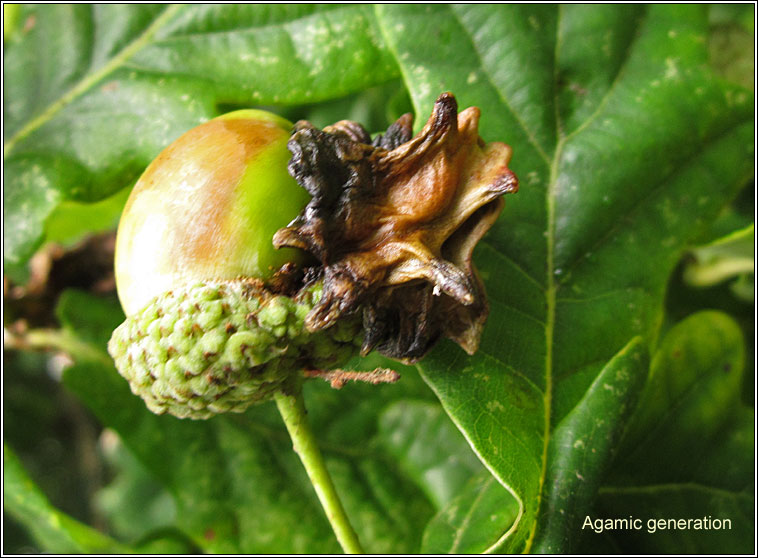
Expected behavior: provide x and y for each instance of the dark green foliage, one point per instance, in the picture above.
(601, 389)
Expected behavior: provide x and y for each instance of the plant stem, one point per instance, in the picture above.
(292, 408)
(58, 339)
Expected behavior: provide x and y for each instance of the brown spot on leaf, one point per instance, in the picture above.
(30, 23)
(109, 87)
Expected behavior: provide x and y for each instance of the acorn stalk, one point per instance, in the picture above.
(294, 415)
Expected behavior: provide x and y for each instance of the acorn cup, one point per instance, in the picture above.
(239, 278)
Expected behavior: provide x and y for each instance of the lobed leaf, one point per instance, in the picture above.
(94, 92)
(626, 147)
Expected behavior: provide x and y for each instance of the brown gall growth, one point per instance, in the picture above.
(394, 222)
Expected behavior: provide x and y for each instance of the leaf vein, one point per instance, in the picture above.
(514, 371)
(611, 89)
(517, 310)
(504, 426)
(630, 212)
(509, 260)
(530, 136)
(88, 81)
(599, 296)
(469, 514)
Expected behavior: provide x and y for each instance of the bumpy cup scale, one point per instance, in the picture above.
(217, 319)
(223, 346)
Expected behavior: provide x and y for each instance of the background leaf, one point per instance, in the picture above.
(618, 173)
(140, 75)
(428, 449)
(474, 521)
(50, 527)
(473, 508)
(135, 503)
(725, 258)
(688, 452)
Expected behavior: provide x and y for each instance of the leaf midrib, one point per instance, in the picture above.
(551, 284)
(550, 299)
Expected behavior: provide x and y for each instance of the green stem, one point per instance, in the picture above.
(58, 339)
(292, 408)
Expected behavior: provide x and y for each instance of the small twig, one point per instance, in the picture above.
(338, 378)
(56, 339)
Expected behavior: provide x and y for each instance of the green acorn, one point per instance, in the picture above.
(252, 253)
(204, 332)
(207, 207)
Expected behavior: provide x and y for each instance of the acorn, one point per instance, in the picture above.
(207, 208)
(253, 253)
(204, 334)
